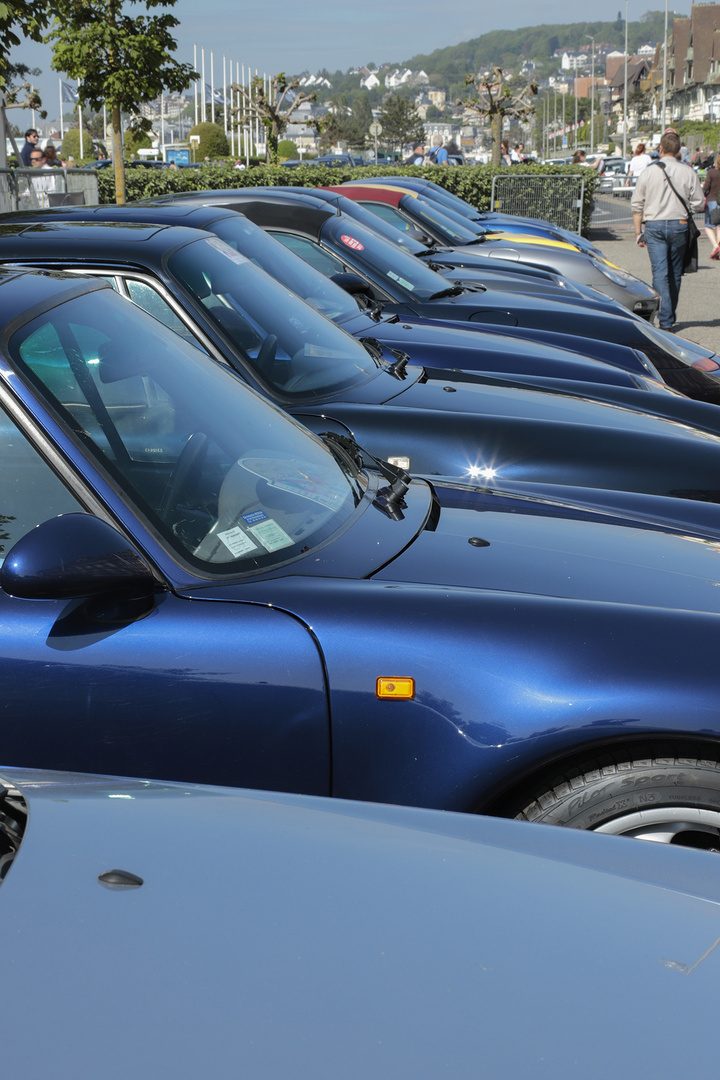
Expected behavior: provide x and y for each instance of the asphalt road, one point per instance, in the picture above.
(698, 311)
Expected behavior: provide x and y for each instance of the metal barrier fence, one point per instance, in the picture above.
(26, 189)
(558, 199)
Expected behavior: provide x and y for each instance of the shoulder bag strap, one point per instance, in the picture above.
(675, 192)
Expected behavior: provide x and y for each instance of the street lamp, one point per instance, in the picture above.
(592, 94)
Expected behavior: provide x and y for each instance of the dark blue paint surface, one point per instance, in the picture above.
(565, 629)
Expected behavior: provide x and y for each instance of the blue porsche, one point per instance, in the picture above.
(195, 587)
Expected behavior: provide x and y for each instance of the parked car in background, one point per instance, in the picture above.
(314, 938)
(451, 346)
(406, 211)
(337, 161)
(195, 586)
(438, 423)
(313, 227)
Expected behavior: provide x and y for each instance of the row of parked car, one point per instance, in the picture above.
(378, 508)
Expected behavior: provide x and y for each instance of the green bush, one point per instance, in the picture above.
(213, 141)
(470, 182)
(71, 145)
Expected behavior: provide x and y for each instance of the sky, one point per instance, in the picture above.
(284, 35)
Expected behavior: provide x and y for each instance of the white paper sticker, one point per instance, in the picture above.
(226, 250)
(271, 536)
(401, 281)
(237, 541)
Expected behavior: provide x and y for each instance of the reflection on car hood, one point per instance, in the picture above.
(486, 541)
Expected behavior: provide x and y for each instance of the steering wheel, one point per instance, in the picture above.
(189, 465)
(266, 356)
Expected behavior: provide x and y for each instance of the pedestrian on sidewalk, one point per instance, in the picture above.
(711, 187)
(666, 194)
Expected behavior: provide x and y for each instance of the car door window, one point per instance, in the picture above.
(30, 492)
(150, 300)
(312, 253)
(390, 214)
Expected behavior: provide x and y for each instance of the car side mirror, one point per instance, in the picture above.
(353, 284)
(75, 556)
(422, 237)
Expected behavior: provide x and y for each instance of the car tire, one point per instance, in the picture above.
(670, 800)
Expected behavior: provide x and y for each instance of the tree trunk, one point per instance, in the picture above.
(117, 154)
(496, 138)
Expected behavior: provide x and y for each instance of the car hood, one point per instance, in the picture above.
(313, 938)
(493, 542)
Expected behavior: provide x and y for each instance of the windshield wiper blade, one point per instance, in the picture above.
(388, 499)
(454, 290)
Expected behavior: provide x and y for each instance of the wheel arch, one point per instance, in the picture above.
(506, 800)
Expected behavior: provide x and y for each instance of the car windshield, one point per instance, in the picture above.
(293, 349)
(366, 217)
(682, 349)
(225, 480)
(457, 229)
(401, 275)
(290, 270)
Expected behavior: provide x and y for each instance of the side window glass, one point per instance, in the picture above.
(389, 214)
(312, 253)
(150, 300)
(30, 492)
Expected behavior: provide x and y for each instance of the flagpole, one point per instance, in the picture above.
(195, 83)
(224, 99)
(212, 88)
(105, 126)
(62, 129)
(204, 91)
(82, 154)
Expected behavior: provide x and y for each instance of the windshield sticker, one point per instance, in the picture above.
(271, 536)
(226, 250)
(352, 242)
(255, 517)
(238, 542)
(401, 281)
(287, 476)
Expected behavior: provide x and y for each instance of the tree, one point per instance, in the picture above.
(71, 144)
(272, 109)
(16, 92)
(120, 61)
(213, 141)
(401, 122)
(494, 102)
(18, 19)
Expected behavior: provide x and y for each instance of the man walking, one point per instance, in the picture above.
(664, 214)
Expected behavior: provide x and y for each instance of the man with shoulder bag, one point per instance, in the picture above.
(666, 196)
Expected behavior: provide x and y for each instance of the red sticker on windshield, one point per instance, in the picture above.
(354, 244)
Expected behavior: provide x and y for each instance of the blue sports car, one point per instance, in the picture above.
(194, 586)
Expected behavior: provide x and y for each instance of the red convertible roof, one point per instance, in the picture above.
(371, 192)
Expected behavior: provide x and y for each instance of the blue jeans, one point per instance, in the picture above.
(666, 243)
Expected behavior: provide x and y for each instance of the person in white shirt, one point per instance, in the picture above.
(639, 161)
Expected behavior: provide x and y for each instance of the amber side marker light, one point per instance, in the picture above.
(399, 689)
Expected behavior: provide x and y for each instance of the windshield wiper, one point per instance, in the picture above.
(389, 499)
(454, 290)
(375, 347)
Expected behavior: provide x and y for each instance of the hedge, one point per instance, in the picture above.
(470, 182)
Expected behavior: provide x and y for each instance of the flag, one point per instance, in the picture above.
(68, 93)
(215, 96)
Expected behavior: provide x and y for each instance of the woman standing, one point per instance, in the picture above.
(711, 186)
